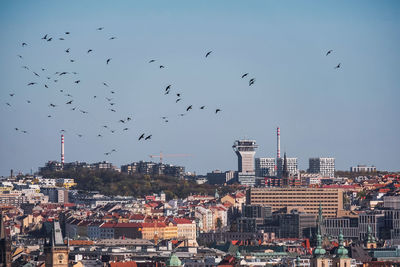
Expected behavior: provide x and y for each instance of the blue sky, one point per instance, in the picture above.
(349, 113)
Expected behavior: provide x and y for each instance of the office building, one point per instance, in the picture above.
(265, 167)
(302, 199)
(218, 177)
(324, 166)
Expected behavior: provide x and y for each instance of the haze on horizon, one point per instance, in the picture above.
(350, 113)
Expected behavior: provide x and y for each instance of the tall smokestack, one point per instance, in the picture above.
(278, 143)
(62, 150)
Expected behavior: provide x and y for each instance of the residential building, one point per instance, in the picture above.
(218, 177)
(363, 168)
(324, 166)
(265, 167)
(291, 166)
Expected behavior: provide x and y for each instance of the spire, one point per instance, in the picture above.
(341, 252)
(285, 172)
(319, 251)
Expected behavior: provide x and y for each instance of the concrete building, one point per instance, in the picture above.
(300, 198)
(391, 202)
(363, 168)
(324, 166)
(265, 167)
(245, 151)
(291, 166)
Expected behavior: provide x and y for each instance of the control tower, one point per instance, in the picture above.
(245, 150)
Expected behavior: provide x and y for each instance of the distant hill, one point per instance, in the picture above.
(114, 183)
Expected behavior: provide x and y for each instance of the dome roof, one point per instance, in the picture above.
(173, 261)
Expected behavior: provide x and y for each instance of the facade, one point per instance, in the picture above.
(291, 166)
(391, 202)
(363, 168)
(152, 168)
(300, 198)
(324, 166)
(265, 167)
(348, 226)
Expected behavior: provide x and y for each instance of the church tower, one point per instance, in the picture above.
(285, 172)
(370, 242)
(5, 245)
(55, 249)
(319, 258)
(341, 258)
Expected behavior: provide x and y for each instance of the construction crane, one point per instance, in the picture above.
(161, 156)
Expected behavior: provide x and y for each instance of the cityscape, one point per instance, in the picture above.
(276, 126)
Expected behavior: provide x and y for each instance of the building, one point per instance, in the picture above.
(291, 166)
(245, 151)
(391, 202)
(296, 225)
(218, 177)
(265, 167)
(5, 245)
(324, 166)
(347, 225)
(302, 199)
(55, 249)
(363, 168)
(152, 168)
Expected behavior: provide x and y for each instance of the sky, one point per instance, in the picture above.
(350, 113)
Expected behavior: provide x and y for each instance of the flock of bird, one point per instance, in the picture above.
(54, 78)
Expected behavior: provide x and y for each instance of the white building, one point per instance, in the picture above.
(324, 166)
(265, 167)
(363, 168)
(291, 166)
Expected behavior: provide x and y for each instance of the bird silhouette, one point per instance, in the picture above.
(251, 82)
(125, 129)
(71, 60)
(166, 93)
(8, 104)
(122, 121)
(16, 129)
(189, 108)
(36, 74)
(327, 53)
(99, 29)
(105, 84)
(63, 73)
(338, 66)
(90, 50)
(217, 110)
(113, 110)
(168, 87)
(24, 44)
(46, 86)
(178, 95)
(52, 105)
(244, 75)
(49, 40)
(128, 119)
(83, 111)
(99, 135)
(78, 81)
(108, 60)
(20, 56)
(32, 83)
(24, 132)
(67, 50)
(44, 37)
(148, 137)
(202, 107)
(161, 67)
(28, 101)
(141, 137)
(151, 61)
(79, 135)
(67, 32)
(208, 53)
(12, 95)
(61, 39)
(69, 102)
(25, 67)
(177, 100)
(112, 38)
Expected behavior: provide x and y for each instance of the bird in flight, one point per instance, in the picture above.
(78, 81)
(105, 84)
(168, 87)
(67, 32)
(8, 104)
(99, 135)
(122, 121)
(28, 101)
(49, 40)
(112, 38)
(32, 83)
(108, 60)
(148, 137)
(113, 110)
(25, 67)
(330, 51)
(12, 94)
(244, 75)
(24, 44)
(20, 56)
(79, 135)
(63, 73)
(217, 110)
(90, 50)
(141, 137)
(338, 66)
(46, 86)
(52, 105)
(251, 82)
(61, 39)
(161, 67)
(16, 129)
(67, 50)
(44, 37)
(36, 74)
(125, 129)
(69, 102)
(84, 112)
(202, 107)
(179, 99)
(99, 29)
(24, 132)
(208, 53)
(152, 60)
(189, 108)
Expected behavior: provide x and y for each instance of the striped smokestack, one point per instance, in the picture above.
(62, 150)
